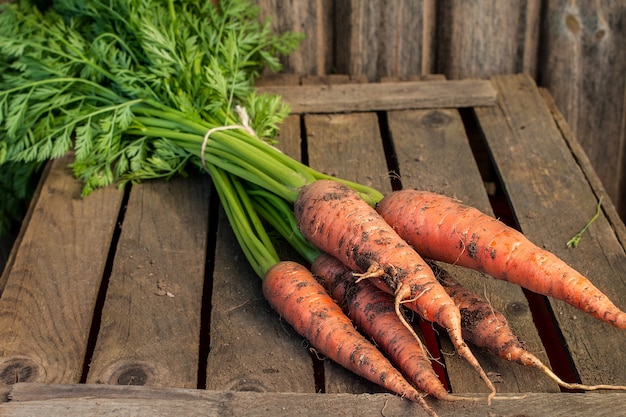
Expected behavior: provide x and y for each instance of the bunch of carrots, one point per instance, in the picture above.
(139, 89)
(365, 264)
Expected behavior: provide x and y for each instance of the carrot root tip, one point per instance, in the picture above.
(374, 271)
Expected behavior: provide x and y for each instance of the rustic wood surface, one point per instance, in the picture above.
(609, 209)
(53, 281)
(379, 39)
(335, 98)
(478, 39)
(314, 19)
(86, 400)
(552, 200)
(150, 323)
(583, 65)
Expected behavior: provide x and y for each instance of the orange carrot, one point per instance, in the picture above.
(442, 229)
(372, 311)
(332, 217)
(487, 328)
(295, 294)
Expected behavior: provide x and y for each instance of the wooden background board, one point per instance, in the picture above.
(552, 200)
(575, 49)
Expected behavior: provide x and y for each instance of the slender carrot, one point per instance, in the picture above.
(372, 311)
(488, 328)
(335, 219)
(442, 229)
(294, 293)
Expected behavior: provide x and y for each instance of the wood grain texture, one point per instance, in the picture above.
(483, 38)
(48, 302)
(361, 158)
(150, 328)
(434, 154)
(609, 209)
(336, 98)
(583, 66)
(252, 349)
(311, 18)
(81, 400)
(552, 200)
(383, 38)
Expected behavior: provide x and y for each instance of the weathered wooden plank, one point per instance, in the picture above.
(483, 38)
(348, 146)
(81, 400)
(582, 65)
(337, 98)
(150, 324)
(311, 18)
(278, 79)
(251, 347)
(384, 38)
(552, 200)
(47, 305)
(609, 209)
(434, 154)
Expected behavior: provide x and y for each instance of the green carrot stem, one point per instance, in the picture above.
(277, 172)
(575, 241)
(280, 216)
(249, 232)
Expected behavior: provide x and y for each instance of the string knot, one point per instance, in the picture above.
(245, 125)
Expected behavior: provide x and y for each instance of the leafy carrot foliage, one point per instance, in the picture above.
(121, 82)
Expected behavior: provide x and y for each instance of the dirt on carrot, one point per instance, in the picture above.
(373, 313)
(487, 328)
(443, 229)
(333, 217)
(294, 293)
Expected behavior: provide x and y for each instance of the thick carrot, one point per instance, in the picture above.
(294, 293)
(486, 327)
(372, 312)
(333, 217)
(443, 229)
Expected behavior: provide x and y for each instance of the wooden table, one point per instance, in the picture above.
(140, 301)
